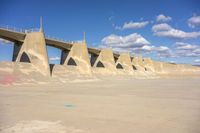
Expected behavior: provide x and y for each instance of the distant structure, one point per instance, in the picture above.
(30, 47)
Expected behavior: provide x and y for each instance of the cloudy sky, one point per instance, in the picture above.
(165, 30)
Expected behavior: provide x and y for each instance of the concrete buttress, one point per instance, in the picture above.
(148, 63)
(34, 51)
(106, 58)
(138, 63)
(124, 62)
(77, 56)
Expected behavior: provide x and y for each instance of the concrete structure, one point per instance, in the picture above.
(138, 63)
(158, 67)
(148, 64)
(33, 50)
(103, 62)
(105, 58)
(124, 62)
(16, 49)
(30, 47)
(77, 56)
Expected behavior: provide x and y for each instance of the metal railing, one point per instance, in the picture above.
(61, 40)
(32, 30)
(9, 28)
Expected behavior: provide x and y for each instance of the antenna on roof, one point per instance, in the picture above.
(41, 28)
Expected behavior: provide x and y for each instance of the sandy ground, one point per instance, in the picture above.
(102, 106)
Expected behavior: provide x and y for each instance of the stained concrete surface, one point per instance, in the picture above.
(111, 105)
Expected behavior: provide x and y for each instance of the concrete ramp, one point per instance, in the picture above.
(124, 63)
(33, 51)
(78, 57)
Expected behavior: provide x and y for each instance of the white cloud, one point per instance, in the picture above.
(194, 21)
(54, 58)
(162, 49)
(185, 46)
(165, 30)
(197, 61)
(137, 44)
(132, 40)
(153, 48)
(186, 50)
(145, 48)
(132, 25)
(3, 41)
(142, 49)
(161, 27)
(163, 18)
(133, 43)
(173, 62)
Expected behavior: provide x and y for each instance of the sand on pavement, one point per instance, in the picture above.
(102, 106)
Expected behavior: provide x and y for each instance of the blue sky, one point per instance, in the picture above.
(164, 30)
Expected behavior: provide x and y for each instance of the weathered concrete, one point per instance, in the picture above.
(138, 63)
(34, 51)
(64, 55)
(15, 36)
(31, 48)
(124, 62)
(77, 57)
(158, 67)
(148, 64)
(104, 62)
(107, 59)
(67, 71)
(16, 50)
(169, 67)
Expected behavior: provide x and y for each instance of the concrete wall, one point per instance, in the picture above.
(138, 63)
(34, 51)
(125, 60)
(107, 59)
(148, 64)
(78, 54)
(76, 60)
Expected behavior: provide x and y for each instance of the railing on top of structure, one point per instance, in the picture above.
(9, 28)
(61, 40)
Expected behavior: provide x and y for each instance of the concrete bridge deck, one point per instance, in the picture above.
(17, 36)
(30, 46)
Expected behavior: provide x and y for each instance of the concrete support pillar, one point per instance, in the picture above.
(148, 63)
(93, 59)
(34, 51)
(105, 60)
(64, 55)
(124, 62)
(138, 63)
(16, 50)
(77, 56)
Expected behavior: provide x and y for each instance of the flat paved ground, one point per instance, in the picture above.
(102, 106)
